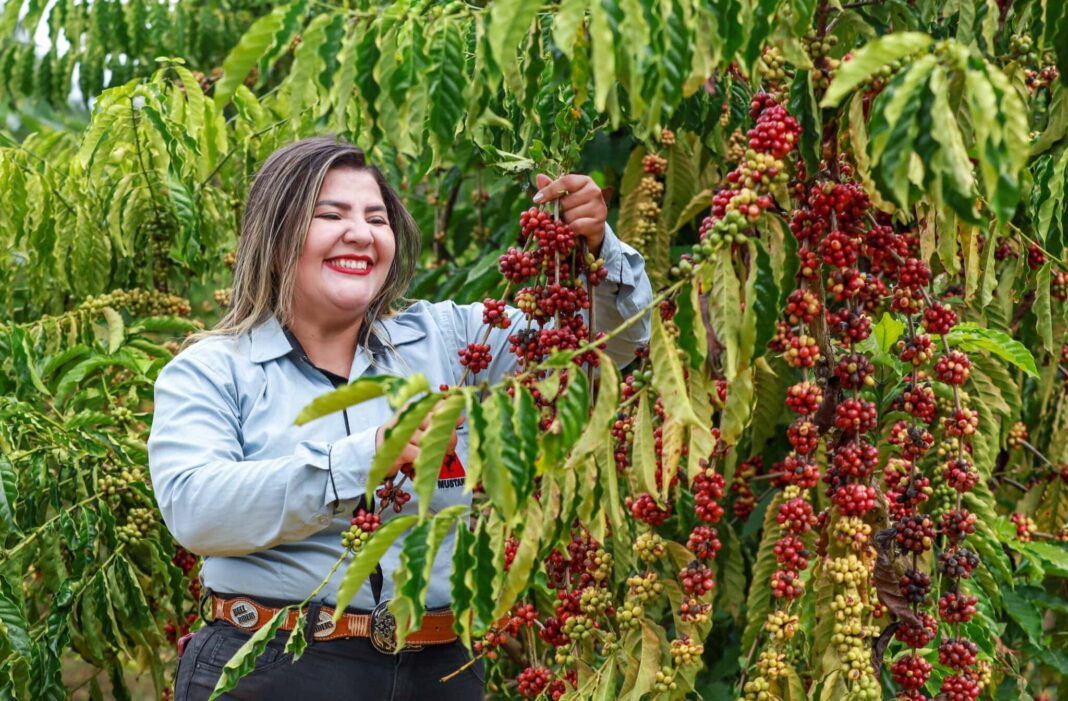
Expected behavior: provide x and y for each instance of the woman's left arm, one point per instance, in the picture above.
(623, 293)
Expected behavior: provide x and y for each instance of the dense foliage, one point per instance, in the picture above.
(837, 470)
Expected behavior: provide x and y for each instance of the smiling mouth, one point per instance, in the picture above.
(349, 266)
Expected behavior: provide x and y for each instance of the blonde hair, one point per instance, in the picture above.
(278, 211)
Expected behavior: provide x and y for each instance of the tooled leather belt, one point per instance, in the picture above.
(379, 625)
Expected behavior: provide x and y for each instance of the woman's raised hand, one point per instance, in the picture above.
(581, 205)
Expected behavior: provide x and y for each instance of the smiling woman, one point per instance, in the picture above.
(327, 249)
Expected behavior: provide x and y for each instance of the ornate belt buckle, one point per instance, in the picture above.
(383, 631)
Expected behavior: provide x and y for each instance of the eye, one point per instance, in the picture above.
(378, 221)
(330, 215)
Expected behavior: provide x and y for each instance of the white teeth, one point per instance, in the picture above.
(350, 264)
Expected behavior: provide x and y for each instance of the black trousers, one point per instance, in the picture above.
(348, 668)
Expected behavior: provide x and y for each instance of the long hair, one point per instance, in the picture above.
(277, 214)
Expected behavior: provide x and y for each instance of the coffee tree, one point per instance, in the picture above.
(836, 471)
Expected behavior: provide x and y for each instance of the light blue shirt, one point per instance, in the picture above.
(240, 484)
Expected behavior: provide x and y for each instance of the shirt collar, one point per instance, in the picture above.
(269, 341)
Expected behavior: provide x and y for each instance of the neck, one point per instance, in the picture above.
(329, 346)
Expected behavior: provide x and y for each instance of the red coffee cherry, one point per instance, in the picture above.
(800, 470)
(708, 487)
(918, 636)
(804, 398)
(915, 533)
(856, 459)
(704, 542)
(696, 579)
(644, 508)
(960, 687)
(804, 436)
(953, 368)
(854, 371)
(532, 681)
(939, 319)
(791, 553)
(476, 356)
(786, 584)
(796, 515)
(957, 563)
(916, 586)
(856, 416)
(957, 524)
(802, 306)
(911, 671)
(960, 475)
(855, 499)
(956, 608)
(958, 653)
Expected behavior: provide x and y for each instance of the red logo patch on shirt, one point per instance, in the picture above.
(452, 472)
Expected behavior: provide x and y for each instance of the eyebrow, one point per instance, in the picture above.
(347, 207)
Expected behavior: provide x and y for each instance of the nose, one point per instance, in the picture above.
(359, 233)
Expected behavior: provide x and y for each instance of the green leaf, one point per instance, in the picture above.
(432, 448)
(894, 128)
(1043, 307)
(567, 21)
(397, 436)
(762, 299)
(1022, 610)
(367, 558)
(697, 204)
(887, 332)
(463, 565)
(348, 395)
(871, 57)
(803, 107)
(509, 23)
(758, 603)
(244, 660)
(484, 575)
(644, 447)
(518, 576)
(969, 336)
(268, 31)
(668, 378)
(116, 328)
(496, 411)
(693, 336)
(446, 82)
(770, 394)
(1054, 555)
(412, 576)
(603, 54)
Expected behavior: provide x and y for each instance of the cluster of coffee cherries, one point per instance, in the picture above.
(139, 303)
(751, 185)
(651, 187)
(188, 563)
(363, 524)
(549, 270)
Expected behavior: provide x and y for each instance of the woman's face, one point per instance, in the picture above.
(348, 250)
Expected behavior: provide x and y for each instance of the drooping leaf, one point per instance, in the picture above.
(367, 558)
(433, 445)
(871, 57)
(969, 336)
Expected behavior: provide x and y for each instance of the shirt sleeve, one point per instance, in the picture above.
(623, 293)
(217, 503)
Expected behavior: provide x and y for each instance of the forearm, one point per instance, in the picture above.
(231, 507)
